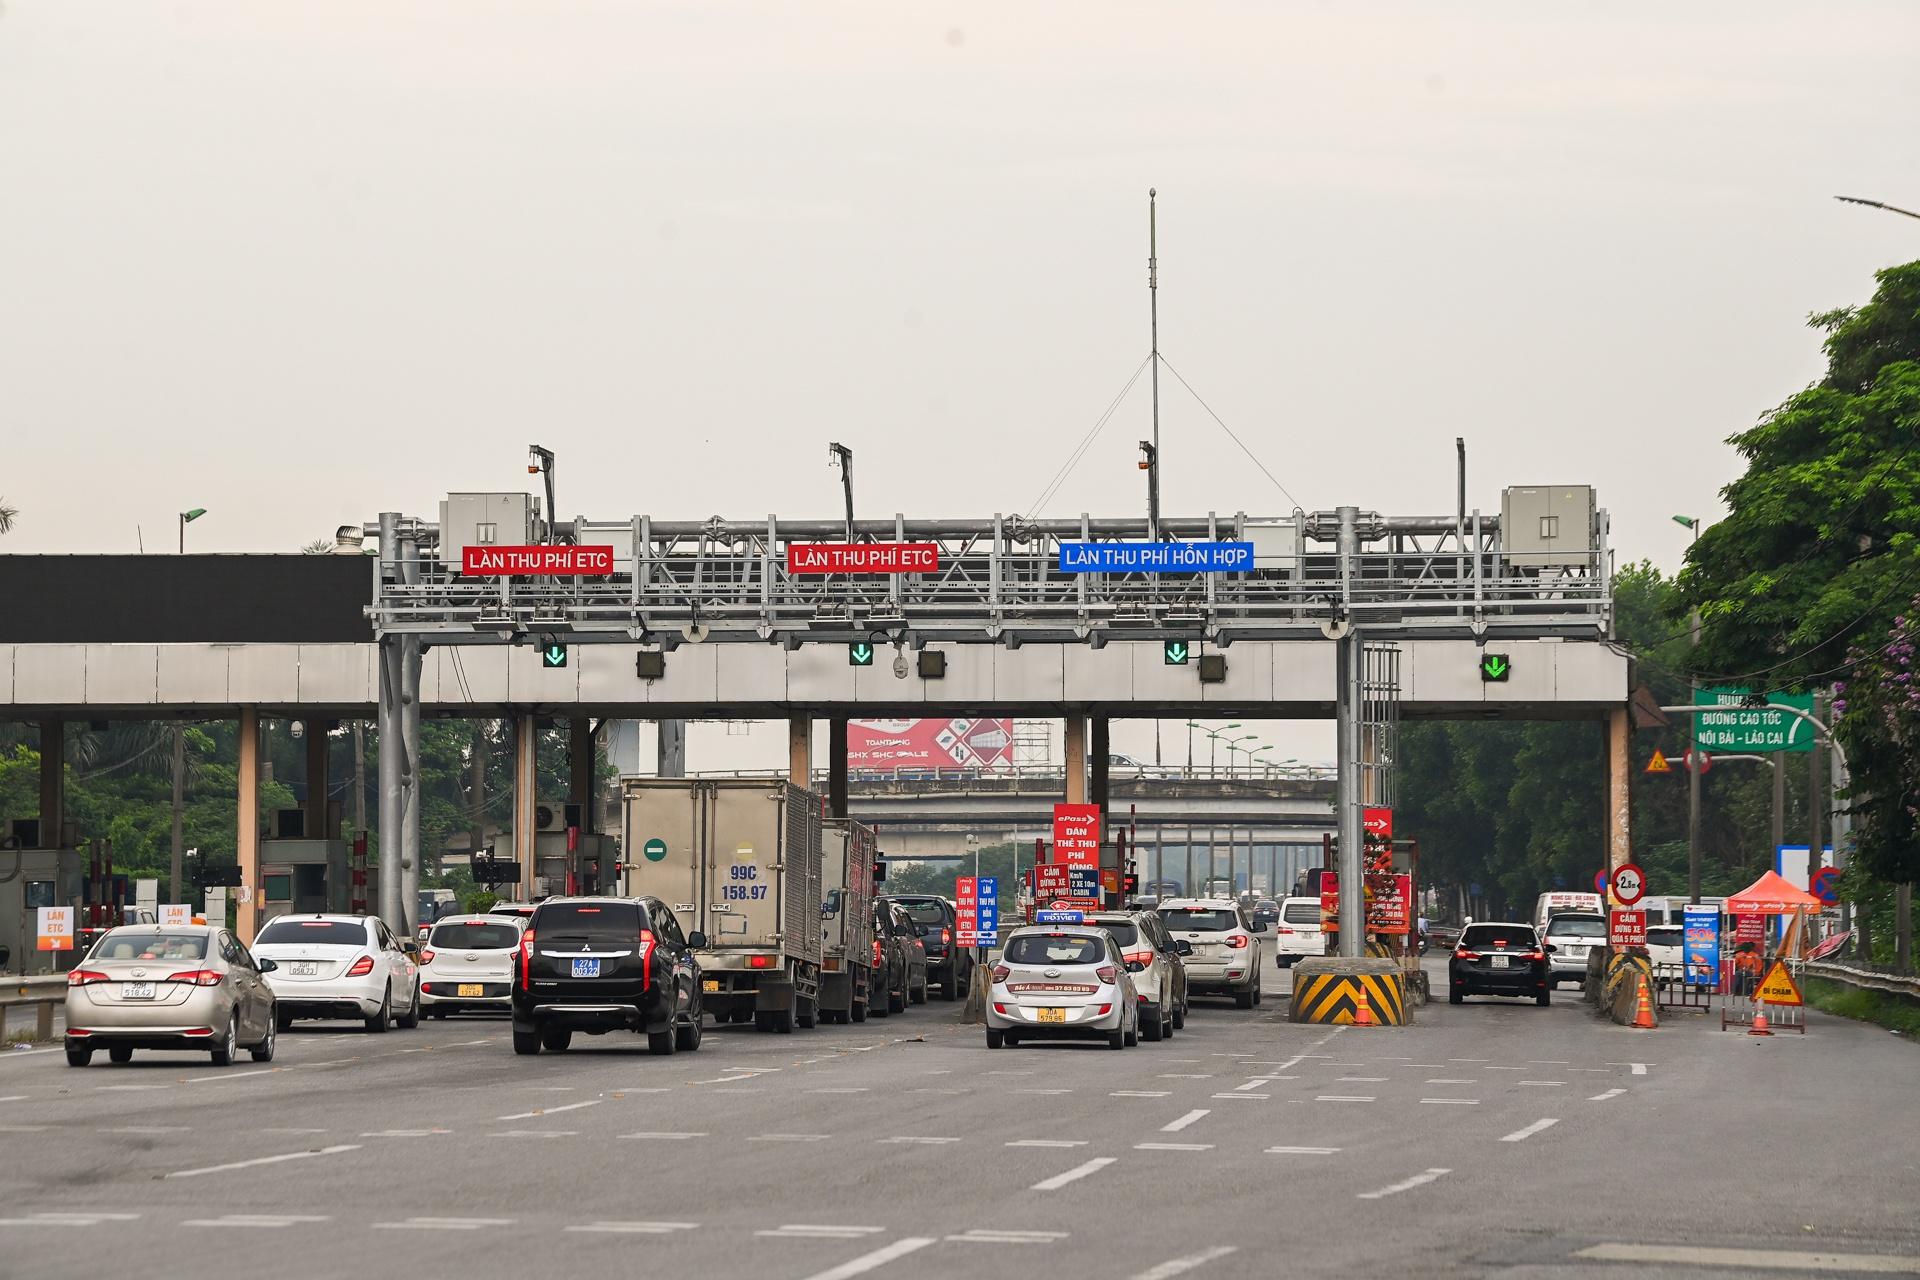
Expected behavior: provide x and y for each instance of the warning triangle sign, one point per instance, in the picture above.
(1778, 986)
(1659, 763)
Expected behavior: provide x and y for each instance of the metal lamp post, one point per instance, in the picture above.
(187, 518)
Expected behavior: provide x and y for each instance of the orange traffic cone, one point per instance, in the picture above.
(1362, 1012)
(1643, 1016)
(1759, 1027)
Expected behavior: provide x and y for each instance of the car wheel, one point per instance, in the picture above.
(556, 1039)
(263, 1052)
(995, 1038)
(1153, 1028)
(78, 1055)
(411, 1018)
(382, 1020)
(661, 1044)
(1243, 999)
(688, 1037)
(1455, 996)
(1117, 1040)
(282, 1019)
(223, 1056)
(805, 1013)
(1544, 999)
(1180, 1016)
(783, 1022)
(119, 1053)
(1258, 995)
(765, 1022)
(526, 1042)
(919, 996)
(859, 1011)
(896, 1002)
(950, 989)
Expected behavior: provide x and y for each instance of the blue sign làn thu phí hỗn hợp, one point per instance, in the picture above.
(1156, 557)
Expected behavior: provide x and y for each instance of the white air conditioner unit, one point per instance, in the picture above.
(547, 817)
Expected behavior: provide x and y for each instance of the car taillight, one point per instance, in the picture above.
(205, 977)
(526, 959)
(1285, 930)
(946, 935)
(361, 967)
(1000, 973)
(879, 952)
(1237, 940)
(1107, 973)
(81, 977)
(426, 955)
(1534, 955)
(647, 944)
(1143, 957)
(1464, 954)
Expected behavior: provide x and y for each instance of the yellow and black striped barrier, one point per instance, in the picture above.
(1335, 998)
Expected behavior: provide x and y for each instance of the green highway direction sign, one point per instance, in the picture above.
(553, 656)
(860, 654)
(1742, 728)
(1176, 652)
(1494, 668)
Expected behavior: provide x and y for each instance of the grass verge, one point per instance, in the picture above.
(1863, 1004)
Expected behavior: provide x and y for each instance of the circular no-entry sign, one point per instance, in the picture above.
(1629, 883)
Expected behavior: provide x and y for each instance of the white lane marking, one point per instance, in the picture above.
(1302, 1151)
(664, 1137)
(1599, 1071)
(123, 1088)
(1602, 1097)
(1639, 1068)
(405, 1133)
(536, 1133)
(860, 1089)
(1753, 1259)
(1538, 1126)
(621, 1093)
(633, 1228)
(1252, 1084)
(1469, 1059)
(67, 1219)
(988, 1235)
(149, 1129)
(1046, 1091)
(14, 1097)
(1074, 1174)
(1449, 1080)
(267, 1220)
(1451, 1102)
(1417, 1180)
(249, 1164)
(1186, 1075)
(227, 1077)
(948, 1092)
(24, 1128)
(1250, 1097)
(1543, 1084)
(1506, 1068)
(1173, 1146)
(1361, 1080)
(1550, 1062)
(1141, 1093)
(444, 1224)
(293, 1131)
(926, 1141)
(1024, 1071)
(1185, 1120)
(1049, 1142)
(818, 1231)
(735, 1079)
(790, 1137)
(1180, 1266)
(870, 1261)
(1341, 1097)
(549, 1111)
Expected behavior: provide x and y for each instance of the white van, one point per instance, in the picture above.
(1549, 905)
(1299, 932)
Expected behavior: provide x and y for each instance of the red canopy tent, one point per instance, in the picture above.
(1771, 895)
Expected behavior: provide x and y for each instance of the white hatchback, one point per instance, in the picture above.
(1065, 981)
(339, 967)
(467, 964)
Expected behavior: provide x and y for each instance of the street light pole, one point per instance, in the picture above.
(1693, 744)
(187, 518)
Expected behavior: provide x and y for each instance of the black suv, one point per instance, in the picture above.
(949, 966)
(606, 964)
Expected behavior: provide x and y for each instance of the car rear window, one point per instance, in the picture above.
(1196, 918)
(1577, 927)
(146, 944)
(475, 937)
(1124, 932)
(338, 933)
(1513, 937)
(925, 911)
(1665, 936)
(587, 922)
(1302, 913)
(1063, 948)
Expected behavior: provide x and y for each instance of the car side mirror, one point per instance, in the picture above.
(1182, 947)
(411, 947)
(697, 940)
(1136, 966)
(1259, 926)
(831, 907)
(266, 966)
(1549, 949)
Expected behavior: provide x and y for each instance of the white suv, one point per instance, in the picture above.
(1154, 960)
(1227, 948)
(1571, 935)
(1300, 934)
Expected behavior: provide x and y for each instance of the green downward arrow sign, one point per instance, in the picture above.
(860, 655)
(1176, 653)
(1495, 666)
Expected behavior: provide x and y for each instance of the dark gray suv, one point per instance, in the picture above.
(949, 966)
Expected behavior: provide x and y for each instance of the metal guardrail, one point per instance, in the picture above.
(42, 995)
(1879, 980)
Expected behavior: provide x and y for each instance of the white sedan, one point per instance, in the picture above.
(340, 967)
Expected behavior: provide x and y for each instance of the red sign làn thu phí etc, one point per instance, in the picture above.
(862, 557)
(557, 561)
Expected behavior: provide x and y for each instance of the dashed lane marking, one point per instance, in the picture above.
(296, 1131)
(125, 1088)
(1538, 1126)
(1251, 1085)
(1361, 1080)
(1045, 1091)
(1303, 1151)
(230, 1076)
(1185, 1120)
(536, 1133)
(67, 1219)
(790, 1137)
(633, 1228)
(663, 1137)
(1450, 1102)
(1543, 1084)
(859, 1089)
(1049, 1142)
(550, 1111)
(818, 1231)
(873, 1261)
(1173, 1146)
(405, 1133)
(1602, 1097)
(15, 1097)
(1181, 1265)
(1448, 1080)
(1245, 1097)
(1753, 1259)
(932, 1142)
(1343, 1097)
(1074, 1174)
(254, 1163)
(1165, 1076)
(1141, 1093)
(1417, 1180)
(256, 1220)
(444, 1224)
(988, 1235)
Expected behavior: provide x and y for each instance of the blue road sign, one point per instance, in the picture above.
(1700, 943)
(1083, 882)
(1156, 557)
(1059, 917)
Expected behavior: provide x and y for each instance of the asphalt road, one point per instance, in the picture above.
(1492, 1139)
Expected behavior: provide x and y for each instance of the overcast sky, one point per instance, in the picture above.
(298, 262)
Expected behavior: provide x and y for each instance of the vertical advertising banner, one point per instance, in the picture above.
(1700, 941)
(1076, 834)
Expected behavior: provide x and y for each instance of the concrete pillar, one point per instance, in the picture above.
(580, 770)
(526, 795)
(390, 737)
(1349, 668)
(412, 789)
(837, 766)
(1619, 788)
(318, 774)
(247, 820)
(53, 783)
(800, 751)
(1076, 760)
(672, 758)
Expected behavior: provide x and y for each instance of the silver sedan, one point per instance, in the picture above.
(152, 986)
